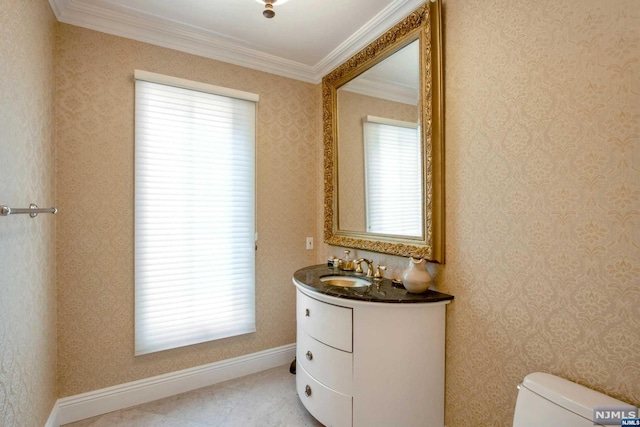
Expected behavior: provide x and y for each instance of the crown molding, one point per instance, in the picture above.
(176, 36)
(386, 19)
(55, 6)
(385, 90)
(179, 36)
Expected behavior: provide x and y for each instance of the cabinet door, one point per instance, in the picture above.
(329, 324)
(331, 408)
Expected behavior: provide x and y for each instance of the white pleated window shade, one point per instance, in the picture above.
(393, 177)
(194, 214)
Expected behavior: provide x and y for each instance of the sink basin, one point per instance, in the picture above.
(344, 281)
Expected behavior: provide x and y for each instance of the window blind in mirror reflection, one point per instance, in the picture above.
(393, 171)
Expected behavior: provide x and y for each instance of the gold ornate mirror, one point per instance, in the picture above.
(383, 143)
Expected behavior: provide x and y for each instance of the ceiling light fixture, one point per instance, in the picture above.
(268, 7)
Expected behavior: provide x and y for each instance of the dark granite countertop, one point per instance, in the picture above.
(387, 292)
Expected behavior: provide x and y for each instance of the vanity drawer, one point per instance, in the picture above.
(327, 323)
(330, 366)
(331, 408)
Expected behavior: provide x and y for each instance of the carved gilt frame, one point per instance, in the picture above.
(423, 24)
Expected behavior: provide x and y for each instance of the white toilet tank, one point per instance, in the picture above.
(545, 400)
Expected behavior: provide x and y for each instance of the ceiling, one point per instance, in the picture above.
(397, 78)
(305, 40)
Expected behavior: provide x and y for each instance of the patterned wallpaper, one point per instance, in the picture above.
(95, 190)
(543, 204)
(542, 200)
(27, 249)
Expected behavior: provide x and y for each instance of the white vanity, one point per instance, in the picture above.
(370, 356)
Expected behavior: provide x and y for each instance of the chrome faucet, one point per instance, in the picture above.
(358, 264)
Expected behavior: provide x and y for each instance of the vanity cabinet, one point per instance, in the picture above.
(365, 364)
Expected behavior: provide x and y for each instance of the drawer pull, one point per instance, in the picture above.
(306, 312)
(307, 391)
(309, 355)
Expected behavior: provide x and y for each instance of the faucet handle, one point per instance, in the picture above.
(347, 262)
(379, 274)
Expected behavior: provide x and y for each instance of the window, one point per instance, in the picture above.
(393, 171)
(194, 212)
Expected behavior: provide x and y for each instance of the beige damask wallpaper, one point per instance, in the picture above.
(542, 200)
(27, 249)
(542, 203)
(95, 190)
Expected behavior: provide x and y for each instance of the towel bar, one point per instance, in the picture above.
(33, 210)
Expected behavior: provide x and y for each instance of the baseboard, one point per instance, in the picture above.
(98, 402)
(52, 421)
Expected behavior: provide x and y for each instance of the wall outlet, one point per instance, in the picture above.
(309, 242)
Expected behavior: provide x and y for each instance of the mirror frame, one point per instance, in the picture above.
(425, 24)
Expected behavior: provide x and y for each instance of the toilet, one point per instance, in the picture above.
(545, 400)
